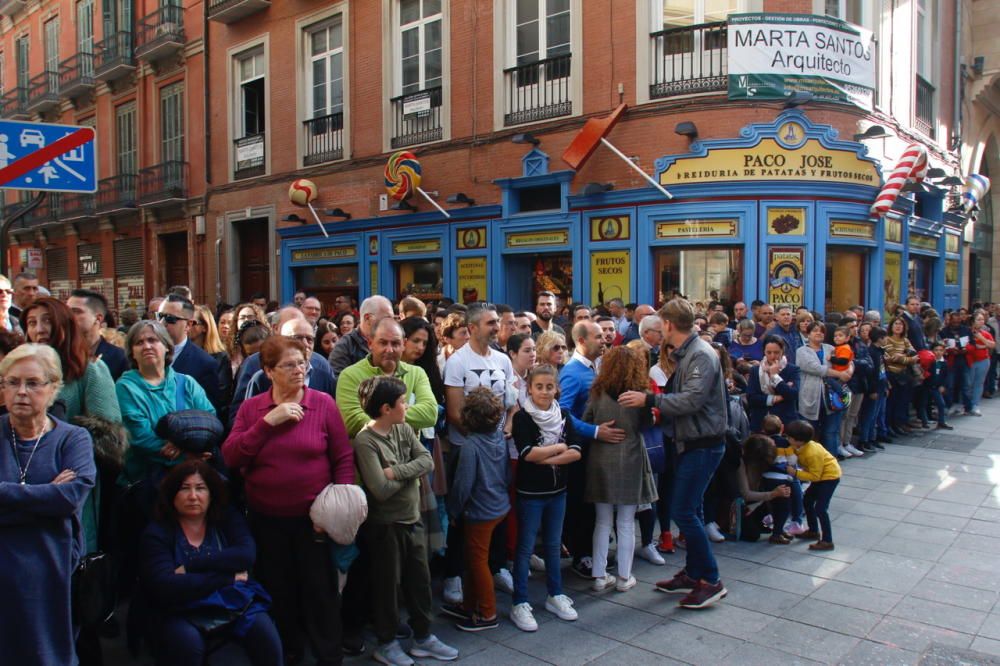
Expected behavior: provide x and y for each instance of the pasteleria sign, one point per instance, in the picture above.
(772, 56)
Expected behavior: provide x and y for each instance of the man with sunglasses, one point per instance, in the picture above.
(176, 313)
(7, 321)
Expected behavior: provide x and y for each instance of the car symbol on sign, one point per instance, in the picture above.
(31, 137)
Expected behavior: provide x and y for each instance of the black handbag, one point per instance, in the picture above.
(212, 621)
(191, 430)
(93, 589)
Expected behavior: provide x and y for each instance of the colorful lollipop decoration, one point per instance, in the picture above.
(975, 187)
(402, 178)
(913, 164)
(302, 193)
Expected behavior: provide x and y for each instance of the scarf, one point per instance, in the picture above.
(765, 379)
(549, 421)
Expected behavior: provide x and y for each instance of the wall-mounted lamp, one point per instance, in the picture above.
(526, 137)
(935, 173)
(403, 205)
(292, 217)
(596, 188)
(338, 212)
(460, 198)
(798, 98)
(688, 129)
(873, 132)
(916, 187)
(952, 181)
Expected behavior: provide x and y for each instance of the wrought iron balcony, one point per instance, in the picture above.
(117, 194)
(77, 207)
(45, 213)
(163, 184)
(11, 7)
(324, 139)
(160, 34)
(76, 75)
(14, 104)
(43, 92)
(923, 118)
(248, 156)
(230, 11)
(114, 58)
(417, 118)
(538, 90)
(689, 60)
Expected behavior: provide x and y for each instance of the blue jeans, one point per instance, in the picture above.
(936, 398)
(817, 503)
(694, 472)
(881, 427)
(180, 643)
(955, 382)
(866, 420)
(975, 380)
(830, 429)
(533, 513)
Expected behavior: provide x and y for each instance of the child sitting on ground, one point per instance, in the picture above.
(821, 469)
(773, 428)
(391, 460)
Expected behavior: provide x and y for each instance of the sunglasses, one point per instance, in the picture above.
(559, 347)
(169, 318)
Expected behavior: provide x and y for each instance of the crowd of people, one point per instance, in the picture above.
(287, 477)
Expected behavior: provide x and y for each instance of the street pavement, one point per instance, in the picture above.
(914, 579)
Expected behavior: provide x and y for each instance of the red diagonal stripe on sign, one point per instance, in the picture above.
(42, 155)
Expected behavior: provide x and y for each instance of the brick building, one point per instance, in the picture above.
(327, 91)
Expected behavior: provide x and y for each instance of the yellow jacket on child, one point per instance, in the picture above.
(816, 463)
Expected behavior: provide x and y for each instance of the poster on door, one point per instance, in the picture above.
(610, 273)
(785, 283)
(472, 279)
(893, 278)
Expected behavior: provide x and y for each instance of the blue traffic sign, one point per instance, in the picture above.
(47, 157)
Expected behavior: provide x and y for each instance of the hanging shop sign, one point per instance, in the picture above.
(609, 275)
(321, 253)
(893, 230)
(470, 238)
(530, 239)
(472, 279)
(417, 247)
(698, 229)
(786, 221)
(852, 229)
(919, 242)
(952, 244)
(772, 56)
(785, 281)
(609, 228)
(893, 278)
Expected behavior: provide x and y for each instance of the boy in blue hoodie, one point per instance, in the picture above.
(479, 495)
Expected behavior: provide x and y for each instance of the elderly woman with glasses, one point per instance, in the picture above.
(146, 394)
(290, 442)
(46, 473)
(551, 349)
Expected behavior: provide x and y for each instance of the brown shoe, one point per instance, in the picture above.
(810, 534)
(821, 545)
(681, 583)
(779, 539)
(704, 595)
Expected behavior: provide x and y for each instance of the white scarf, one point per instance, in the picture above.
(550, 421)
(765, 378)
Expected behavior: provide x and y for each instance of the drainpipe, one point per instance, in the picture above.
(218, 271)
(956, 119)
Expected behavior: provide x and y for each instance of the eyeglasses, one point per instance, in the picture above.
(288, 367)
(169, 318)
(559, 347)
(308, 339)
(200, 322)
(30, 385)
(9, 292)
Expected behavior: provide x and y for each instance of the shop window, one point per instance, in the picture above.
(699, 274)
(845, 279)
(545, 197)
(423, 279)
(328, 282)
(919, 278)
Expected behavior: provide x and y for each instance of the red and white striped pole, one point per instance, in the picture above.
(913, 164)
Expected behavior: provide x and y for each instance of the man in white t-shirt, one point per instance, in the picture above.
(475, 364)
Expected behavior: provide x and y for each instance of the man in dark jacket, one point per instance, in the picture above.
(90, 308)
(914, 324)
(698, 407)
(176, 313)
(354, 346)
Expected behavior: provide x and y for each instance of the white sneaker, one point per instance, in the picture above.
(523, 618)
(503, 581)
(433, 647)
(844, 452)
(649, 554)
(854, 451)
(536, 563)
(562, 607)
(714, 533)
(625, 585)
(976, 412)
(453, 590)
(603, 583)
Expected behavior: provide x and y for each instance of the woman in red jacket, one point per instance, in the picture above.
(977, 355)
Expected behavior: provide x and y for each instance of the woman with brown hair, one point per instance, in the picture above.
(619, 476)
(244, 312)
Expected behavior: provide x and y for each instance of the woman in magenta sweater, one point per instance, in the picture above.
(290, 443)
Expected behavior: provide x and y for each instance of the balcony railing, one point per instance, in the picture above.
(114, 57)
(163, 184)
(689, 60)
(248, 156)
(324, 139)
(11, 7)
(160, 34)
(230, 11)
(47, 212)
(77, 206)
(538, 90)
(76, 75)
(43, 92)
(923, 119)
(417, 118)
(14, 104)
(118, 193)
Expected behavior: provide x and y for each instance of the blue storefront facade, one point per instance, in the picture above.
(779, 213)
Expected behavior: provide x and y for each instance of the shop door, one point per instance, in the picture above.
(254, 258)
(920, 274)
(328, 282)
(846, 279)
(699, 274)
(175, 254)
(527, 275)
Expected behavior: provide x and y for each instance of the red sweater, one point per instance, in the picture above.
(287, 466)
(975, 352)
